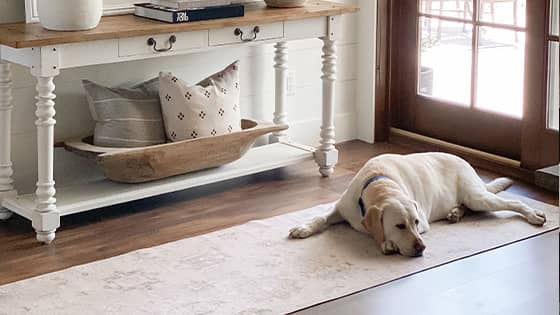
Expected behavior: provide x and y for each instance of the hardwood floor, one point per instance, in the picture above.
(518, 279)
(116, 230)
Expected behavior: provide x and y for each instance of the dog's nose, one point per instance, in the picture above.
(419, 247)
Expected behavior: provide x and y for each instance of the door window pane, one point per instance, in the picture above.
(453, 8)
(553, 85)
(445, 60)
(501, 58)
(554, 17)
(510, 12)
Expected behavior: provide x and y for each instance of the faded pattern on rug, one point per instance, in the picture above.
(253, 268)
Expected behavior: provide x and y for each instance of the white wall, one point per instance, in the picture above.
(73, 118)
(12, 11)
(366, 22)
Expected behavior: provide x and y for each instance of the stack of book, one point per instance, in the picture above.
(179, 11)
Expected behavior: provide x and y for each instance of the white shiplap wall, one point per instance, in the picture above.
(257, 79)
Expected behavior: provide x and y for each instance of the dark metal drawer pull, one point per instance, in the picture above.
(152, 42)
(239, 32)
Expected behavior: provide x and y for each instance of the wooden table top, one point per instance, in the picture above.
(22, 35)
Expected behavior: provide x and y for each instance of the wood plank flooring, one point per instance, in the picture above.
(116, 230)
(518, 279)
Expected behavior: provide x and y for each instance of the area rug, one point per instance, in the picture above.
(254, 269)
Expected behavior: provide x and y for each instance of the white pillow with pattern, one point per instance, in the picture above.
(208, 109)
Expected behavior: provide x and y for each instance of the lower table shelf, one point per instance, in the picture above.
(102, 192)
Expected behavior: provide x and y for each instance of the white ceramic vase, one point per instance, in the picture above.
(69, 15)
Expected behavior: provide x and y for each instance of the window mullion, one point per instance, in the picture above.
(474, 63)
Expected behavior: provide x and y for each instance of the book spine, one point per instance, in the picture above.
(185, 5)
(208, 14)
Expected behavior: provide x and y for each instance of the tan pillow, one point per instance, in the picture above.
(210, 108)
(126, 117)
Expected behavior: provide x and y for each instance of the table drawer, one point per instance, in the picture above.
(163, 43)
(247, 33)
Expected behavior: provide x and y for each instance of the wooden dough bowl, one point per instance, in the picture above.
(138, 165)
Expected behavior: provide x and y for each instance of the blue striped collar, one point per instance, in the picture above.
(366, 184)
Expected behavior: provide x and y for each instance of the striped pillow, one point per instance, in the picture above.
(126, 117)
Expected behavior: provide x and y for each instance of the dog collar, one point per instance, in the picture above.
(366, 184)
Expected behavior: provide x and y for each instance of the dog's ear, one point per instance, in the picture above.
(373, 223)
(421, 213)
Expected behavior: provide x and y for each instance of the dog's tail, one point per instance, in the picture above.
(499, 184)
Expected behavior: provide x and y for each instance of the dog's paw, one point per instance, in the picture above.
(536, 217)
(389, 248)
(455, 215)
(302, 231)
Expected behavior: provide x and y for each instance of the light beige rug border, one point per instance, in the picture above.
(253, 269)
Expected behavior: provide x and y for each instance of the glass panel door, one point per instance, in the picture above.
(553, 111)
(478, 73)
(553, 86)
(445, 61)
(500, 71)
(554, 17)
(473, 57)
(504, 12)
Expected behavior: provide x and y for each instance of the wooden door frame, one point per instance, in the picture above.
(383, 71)
(536, 138)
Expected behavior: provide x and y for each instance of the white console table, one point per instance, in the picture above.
(125, 38)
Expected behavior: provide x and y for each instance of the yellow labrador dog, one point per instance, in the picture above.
(395, 197)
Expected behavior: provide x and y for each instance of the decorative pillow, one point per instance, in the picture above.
(126, 117)
(207, 109)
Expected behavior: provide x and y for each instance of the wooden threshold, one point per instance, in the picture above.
(547, 177)
(506, 166)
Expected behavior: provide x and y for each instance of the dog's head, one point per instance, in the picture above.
(393, 222)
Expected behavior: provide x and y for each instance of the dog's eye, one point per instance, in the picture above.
(416, 221)
(401, 226)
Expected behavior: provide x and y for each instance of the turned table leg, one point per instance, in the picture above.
(281, 77)
(46, 218)
(6, 171)
(326, 154)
